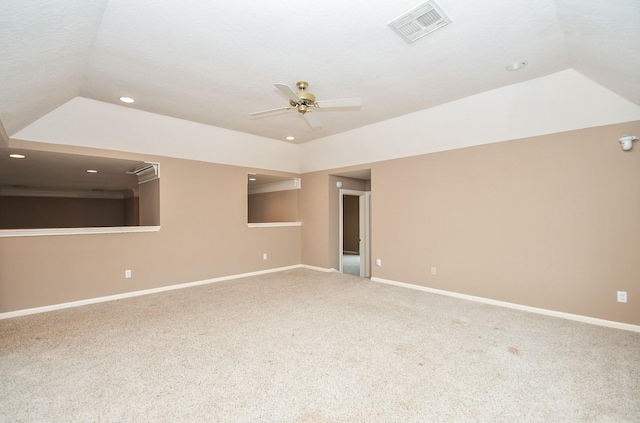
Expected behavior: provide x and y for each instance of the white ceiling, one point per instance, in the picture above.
(215, 62)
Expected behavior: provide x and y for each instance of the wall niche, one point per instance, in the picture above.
(46, 190)
(272, 199)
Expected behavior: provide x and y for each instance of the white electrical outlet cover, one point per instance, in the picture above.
(622, 296)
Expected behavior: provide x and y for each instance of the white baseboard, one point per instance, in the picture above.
(569, 316)
(560, 314)
(319, 269)
(35, 310)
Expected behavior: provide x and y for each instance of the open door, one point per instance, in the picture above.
(365, 234)
(355, 261)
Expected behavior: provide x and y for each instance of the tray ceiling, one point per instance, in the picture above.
(215, 62)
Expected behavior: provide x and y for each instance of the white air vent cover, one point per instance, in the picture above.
(146, 171)
(420, 21)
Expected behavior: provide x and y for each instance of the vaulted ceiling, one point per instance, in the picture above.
(215, 62)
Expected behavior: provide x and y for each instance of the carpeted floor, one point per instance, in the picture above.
(305, 346)
(351, 264)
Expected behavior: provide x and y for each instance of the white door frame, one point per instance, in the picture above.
(364, 209)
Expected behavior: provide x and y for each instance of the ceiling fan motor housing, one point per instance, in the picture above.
(306, 99)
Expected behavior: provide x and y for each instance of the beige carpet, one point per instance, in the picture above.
(304, 346)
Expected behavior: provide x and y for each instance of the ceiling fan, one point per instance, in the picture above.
(303, 101)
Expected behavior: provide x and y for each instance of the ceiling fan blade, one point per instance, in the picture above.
(286, 90)
(341, 102)
(269, 111)
(312, 120)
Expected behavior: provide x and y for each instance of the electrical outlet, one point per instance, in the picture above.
(378, 262)
(264, 256)
(433, 270)
(622, 296)
(127, 274)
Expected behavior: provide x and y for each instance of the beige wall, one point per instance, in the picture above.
(313, 212)
(149, 203)
(204, 235)
(60, 212)
(279, 206)
(132, 211)
(550, 221)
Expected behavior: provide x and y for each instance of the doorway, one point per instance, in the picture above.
(355, 228)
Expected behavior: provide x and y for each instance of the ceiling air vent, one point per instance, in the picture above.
(420, 21)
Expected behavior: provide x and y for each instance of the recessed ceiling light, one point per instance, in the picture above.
(252, 179)
(290, 138)
(17, 156)
(515, 66)
(127, 100)
(92, 171)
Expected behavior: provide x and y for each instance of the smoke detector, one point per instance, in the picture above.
(420, 21)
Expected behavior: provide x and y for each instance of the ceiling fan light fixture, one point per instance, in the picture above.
(420, 21)
(303, 101)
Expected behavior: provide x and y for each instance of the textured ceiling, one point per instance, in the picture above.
(215, 62)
